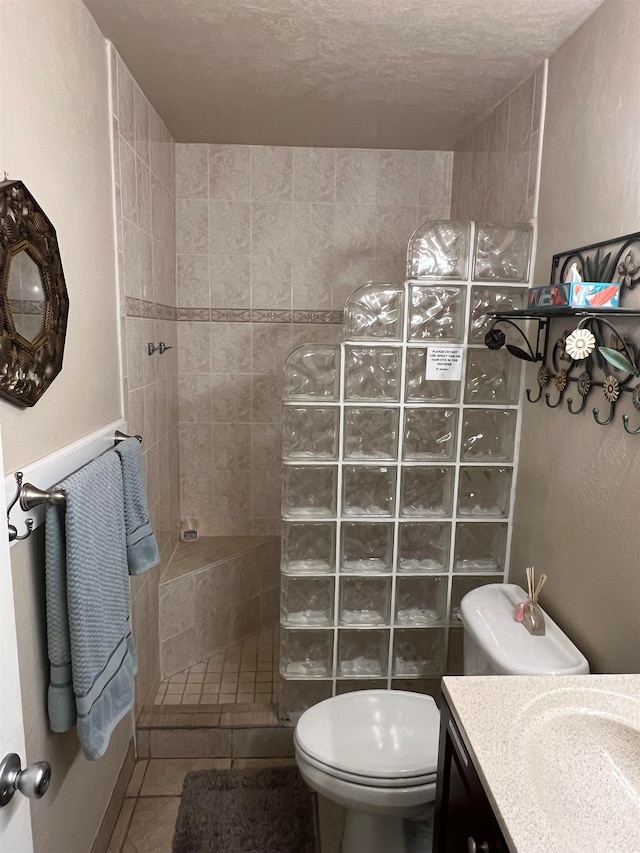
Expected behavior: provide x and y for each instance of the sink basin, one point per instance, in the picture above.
(580, 748)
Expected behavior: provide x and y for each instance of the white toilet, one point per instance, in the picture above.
(375, 752)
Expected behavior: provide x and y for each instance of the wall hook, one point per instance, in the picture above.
(161, 348)
(596, 412)
(30, 496)
(530, 398)
(13, 530)
(625, 424)
(547, 397)
(576, 411)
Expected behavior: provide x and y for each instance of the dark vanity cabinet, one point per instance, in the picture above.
(464, 819)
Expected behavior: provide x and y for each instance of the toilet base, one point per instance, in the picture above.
(384, 834)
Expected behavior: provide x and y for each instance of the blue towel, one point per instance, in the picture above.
(142, 548)
(91, 652)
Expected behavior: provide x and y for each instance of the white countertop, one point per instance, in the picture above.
(558, 757)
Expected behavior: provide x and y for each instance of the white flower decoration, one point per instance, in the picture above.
(580, 343)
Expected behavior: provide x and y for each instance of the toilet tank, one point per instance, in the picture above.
(495, 644)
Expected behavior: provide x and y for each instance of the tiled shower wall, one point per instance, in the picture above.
(270, 242)
(145, 235)
(496, 164)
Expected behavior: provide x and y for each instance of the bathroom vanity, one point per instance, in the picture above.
(464, 816)
(539, 764)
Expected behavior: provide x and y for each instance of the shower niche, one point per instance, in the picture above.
(398, 469)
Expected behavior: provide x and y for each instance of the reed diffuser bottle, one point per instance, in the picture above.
(529, 612)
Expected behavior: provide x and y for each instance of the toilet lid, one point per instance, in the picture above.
(374, 733)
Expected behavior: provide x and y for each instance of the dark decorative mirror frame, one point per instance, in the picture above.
(29, 364)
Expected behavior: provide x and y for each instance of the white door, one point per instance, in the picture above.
(15, 819)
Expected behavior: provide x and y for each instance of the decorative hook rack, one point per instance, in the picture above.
(29, 496)
(617, 360)
(615, 261)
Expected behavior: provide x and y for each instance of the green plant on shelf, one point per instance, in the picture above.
(596, 268)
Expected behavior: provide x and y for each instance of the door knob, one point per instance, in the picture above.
(33, 781)
(472, 847)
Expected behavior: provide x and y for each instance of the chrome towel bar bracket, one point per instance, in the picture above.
(121, 436)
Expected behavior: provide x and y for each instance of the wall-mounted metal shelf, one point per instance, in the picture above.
(552, 312)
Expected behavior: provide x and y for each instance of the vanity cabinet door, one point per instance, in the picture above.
(464, 821)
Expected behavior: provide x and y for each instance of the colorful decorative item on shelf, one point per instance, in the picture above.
(584, 294)
(614, 261)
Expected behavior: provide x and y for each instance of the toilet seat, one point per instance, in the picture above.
(378, 738)
(369, 781)
(408, 801)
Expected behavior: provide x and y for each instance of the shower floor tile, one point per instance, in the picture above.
(245, 673)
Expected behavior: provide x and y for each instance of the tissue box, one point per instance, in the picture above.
(575, 294)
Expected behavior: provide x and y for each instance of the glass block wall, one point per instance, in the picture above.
(399, 450)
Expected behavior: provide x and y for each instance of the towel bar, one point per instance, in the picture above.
(30, 496)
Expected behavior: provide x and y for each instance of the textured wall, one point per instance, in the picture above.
(145, 233)
(54, 135)
(280, 236)
(54, 129)
(576, 509)
(495, 164)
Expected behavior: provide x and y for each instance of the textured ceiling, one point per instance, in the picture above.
(335, 73)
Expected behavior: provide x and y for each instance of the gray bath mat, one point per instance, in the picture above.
(245, 811)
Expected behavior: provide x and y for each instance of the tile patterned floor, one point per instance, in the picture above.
(147, 818)
(245, 673)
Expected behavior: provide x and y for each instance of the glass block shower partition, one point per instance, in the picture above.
(399, 450)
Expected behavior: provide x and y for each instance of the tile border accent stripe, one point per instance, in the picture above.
(154, 311)
(149, 310)
(259, 315)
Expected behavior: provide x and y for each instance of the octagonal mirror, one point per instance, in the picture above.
(33, 297)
